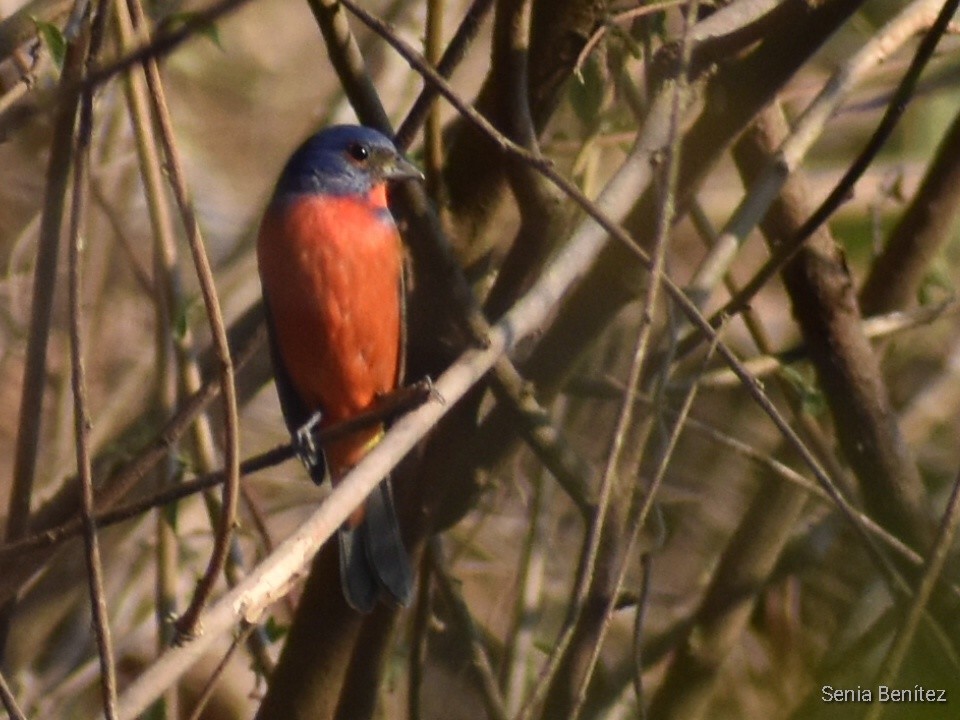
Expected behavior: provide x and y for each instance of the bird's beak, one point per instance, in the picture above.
(399, 168)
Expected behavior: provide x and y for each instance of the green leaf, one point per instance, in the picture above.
(52, 37)
(197, 22)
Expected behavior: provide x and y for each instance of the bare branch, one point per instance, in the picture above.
(915, 17)
(78, 207)
(932, 570)
(186, 624)
(44, 284)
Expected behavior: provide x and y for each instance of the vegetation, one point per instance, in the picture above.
(682, 277)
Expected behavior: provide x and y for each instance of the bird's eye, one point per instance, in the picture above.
(358, 151)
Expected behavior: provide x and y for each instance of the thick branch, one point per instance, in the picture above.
(922, 230)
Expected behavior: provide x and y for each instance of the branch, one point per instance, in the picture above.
(78, 208)
(186, 624)
(489, 688)
(915, 17)
(926, 225)
(794, 148)
(932, 570)
(387, 409)
(452, 56)
(44, 284)
(9, 701)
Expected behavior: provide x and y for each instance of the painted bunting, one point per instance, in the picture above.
(331, 268)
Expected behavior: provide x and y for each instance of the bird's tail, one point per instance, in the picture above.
(373, 560)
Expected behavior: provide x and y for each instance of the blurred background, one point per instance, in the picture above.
(713, 618)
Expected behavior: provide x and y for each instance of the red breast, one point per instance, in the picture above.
(331, 269)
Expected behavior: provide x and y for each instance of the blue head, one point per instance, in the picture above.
(343, 160)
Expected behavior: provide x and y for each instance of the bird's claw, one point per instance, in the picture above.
(305, 443)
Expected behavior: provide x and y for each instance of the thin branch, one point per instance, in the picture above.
(218, 671)
(98, 603)
(165, 300)
(432, 137)
(625, 420)
(912, 19)
(925, 226)
(932, 570)
(9, 701)
(187, 623)
(877, 327)
(521, 637)
(388, 408)
(44, 284)
(611, 390)
(639, 654)
(620, 17)
(452, 56)
(641, 504)
(489, 690)
(156, 47)
(419, 634)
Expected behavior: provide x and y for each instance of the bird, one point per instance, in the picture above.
(330, 259)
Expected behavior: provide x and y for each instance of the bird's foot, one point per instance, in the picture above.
(305, 443)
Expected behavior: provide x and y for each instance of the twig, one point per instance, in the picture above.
(187, 623)
(452, 56)
(109, 212)
(874, 328)
(154, 48)
(432, 139)
(917, 609)
(162, 44)
(921, 230)
(912, 19)
(218, 671)
(646, 572)
(642, 501)
(624, 16)
(419, 634)
(9, 701)
(24, 84)
(98, 603)
(44, 283)
(489, 690)
(389, 407)
(521, 638)
(785, 472)
(625, 420)
(165, 299)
